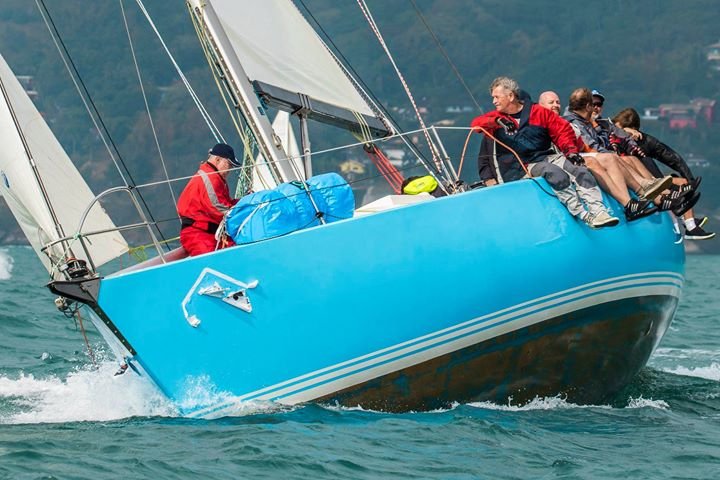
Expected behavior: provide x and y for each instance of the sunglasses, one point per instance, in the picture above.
(597, 104)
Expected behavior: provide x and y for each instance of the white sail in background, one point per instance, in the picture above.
(262, 177)
(68, 193)
(278, 47)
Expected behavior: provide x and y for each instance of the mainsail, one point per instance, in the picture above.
(42, 187)
(290, 66)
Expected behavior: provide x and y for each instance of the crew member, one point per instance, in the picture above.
(531, 130)
(205, 200)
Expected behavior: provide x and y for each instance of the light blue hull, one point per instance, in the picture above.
(400, 309)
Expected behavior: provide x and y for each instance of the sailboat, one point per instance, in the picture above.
(416, 302)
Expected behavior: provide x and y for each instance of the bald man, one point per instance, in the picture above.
(550, 100)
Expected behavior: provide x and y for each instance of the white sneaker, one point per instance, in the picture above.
(603, 219)
(655, 187)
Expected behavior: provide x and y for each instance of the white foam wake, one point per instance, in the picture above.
(559, 403)
(6, 265)
(711, 372)
(85, 395)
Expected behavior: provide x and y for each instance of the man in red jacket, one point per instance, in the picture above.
(205, 200)
(531, 130)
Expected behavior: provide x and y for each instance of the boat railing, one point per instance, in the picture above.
(410, 158)
(81, 236)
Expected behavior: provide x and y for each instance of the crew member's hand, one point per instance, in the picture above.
(490, 182)
(576, 159)
(507, 125)
(635, 134)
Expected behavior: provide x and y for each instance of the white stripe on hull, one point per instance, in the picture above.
(386, 361)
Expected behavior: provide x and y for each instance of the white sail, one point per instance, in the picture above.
(66, 190)
(262, 177)
(278, 47)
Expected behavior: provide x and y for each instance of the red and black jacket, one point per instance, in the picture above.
(537, 129)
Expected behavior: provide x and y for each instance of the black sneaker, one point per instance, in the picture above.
(679, 190)
(695, 182)
(700, 222)
(698, 233)
(686, 203)
(637, 209)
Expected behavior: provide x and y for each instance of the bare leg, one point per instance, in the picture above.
(638, 166)
(607, 180)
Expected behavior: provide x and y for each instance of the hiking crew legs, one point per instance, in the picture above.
(572, 184)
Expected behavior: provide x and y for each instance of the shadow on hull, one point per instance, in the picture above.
(587, 356)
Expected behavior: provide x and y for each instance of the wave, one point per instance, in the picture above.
(85, 395)
(685, 353)
(711, 372)
(6, 265)
(560, 403)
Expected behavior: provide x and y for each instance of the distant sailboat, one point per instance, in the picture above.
(492, 294)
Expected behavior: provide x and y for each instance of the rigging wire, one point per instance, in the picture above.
(362, 86)
(61, 47)
(88, 102)
(214, 130)
(247, 138)
(445, 54)
(368, 16)
(147, 106)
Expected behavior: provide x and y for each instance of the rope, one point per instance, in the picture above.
(91, 354)
(147, 105)
(373, 101)
(387, 169)
(515, 154)
(368, 16)
(239, 122)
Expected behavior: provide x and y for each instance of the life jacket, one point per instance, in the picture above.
(205, 199)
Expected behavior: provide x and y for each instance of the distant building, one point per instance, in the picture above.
(705, 108)
(685, 115)
(650, 113)
(679, 121)
(712, 54)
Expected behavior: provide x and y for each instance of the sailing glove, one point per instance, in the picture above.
(576, 159)
(507, 125)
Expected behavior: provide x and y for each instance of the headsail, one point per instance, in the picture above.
(33, 167)
(290, 66)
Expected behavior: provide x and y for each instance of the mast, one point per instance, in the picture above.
(33, 166)
(247, 100)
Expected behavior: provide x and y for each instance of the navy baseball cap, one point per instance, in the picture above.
(596, 93)
(225, 151)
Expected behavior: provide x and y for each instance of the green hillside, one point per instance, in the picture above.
(641, 53)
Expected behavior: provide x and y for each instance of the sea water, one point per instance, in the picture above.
(63, 417)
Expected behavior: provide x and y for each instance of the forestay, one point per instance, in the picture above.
(66, 190)
(278, 47)
(262, 176)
